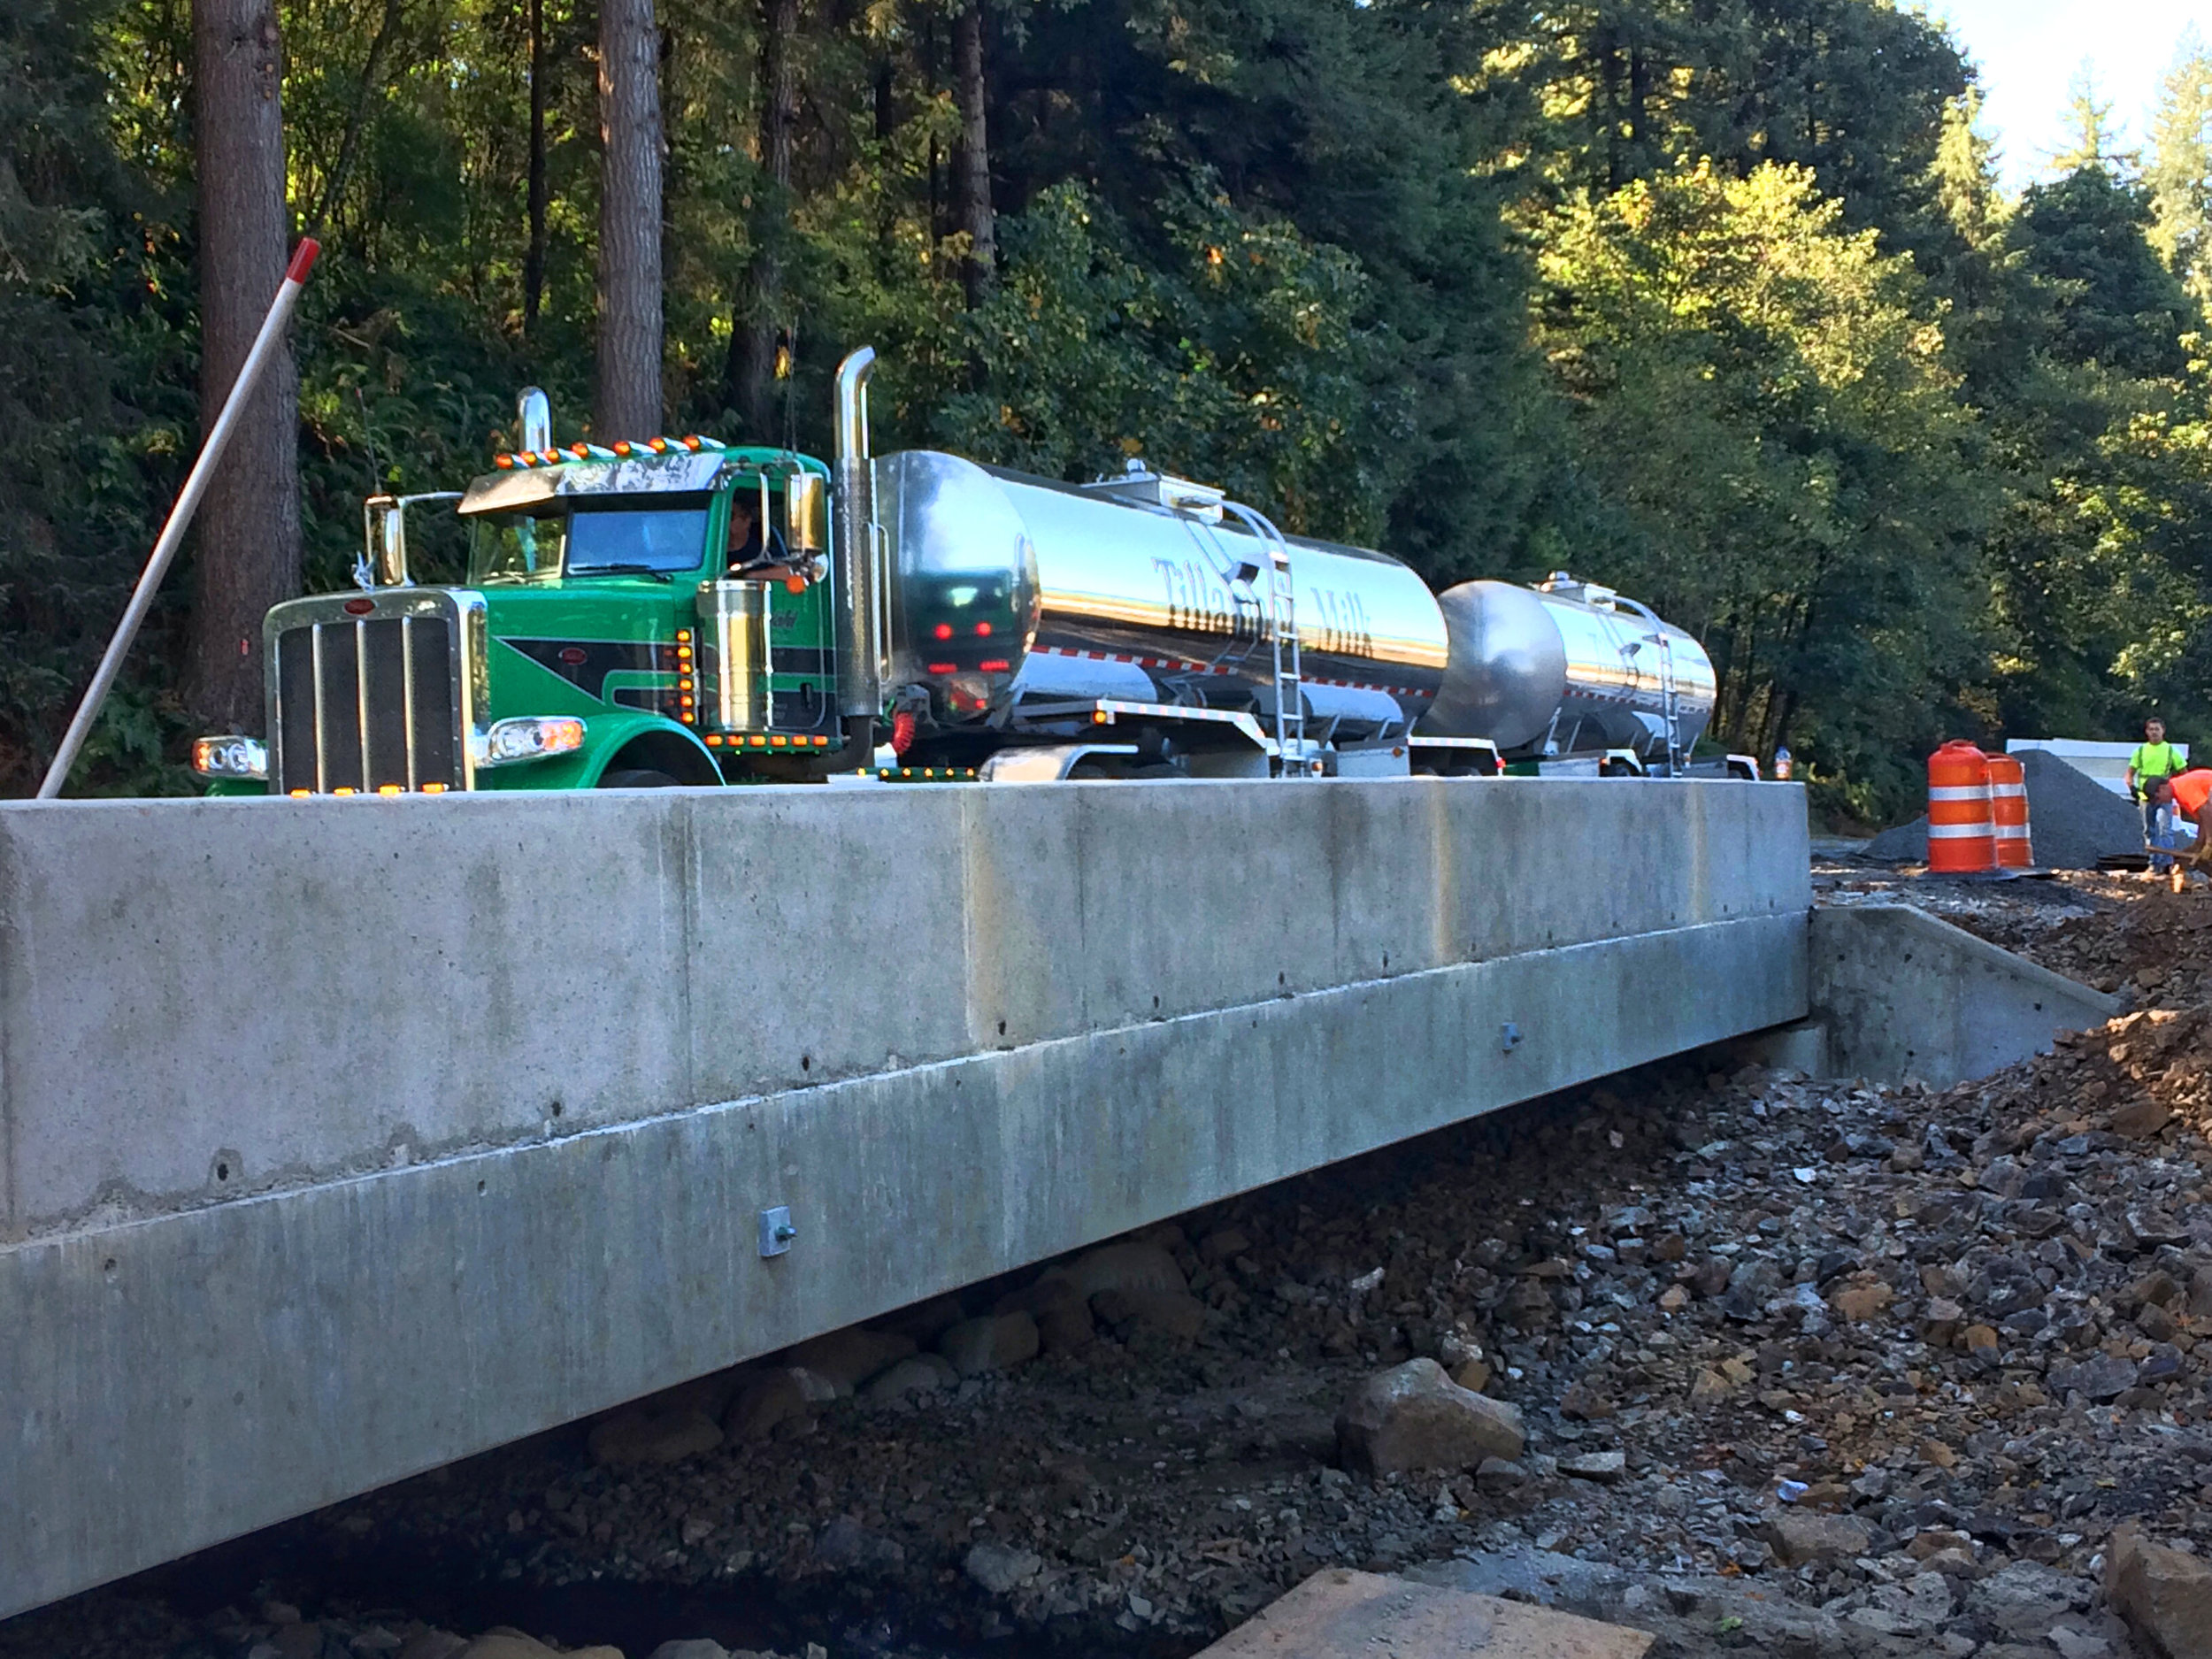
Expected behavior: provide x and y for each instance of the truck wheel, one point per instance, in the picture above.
(637, 779)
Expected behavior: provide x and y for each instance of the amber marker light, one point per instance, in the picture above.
(434, 788)
(391, 788)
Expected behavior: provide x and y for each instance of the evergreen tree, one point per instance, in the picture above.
(2179, 176)
(2085, 239)
(2092, 141)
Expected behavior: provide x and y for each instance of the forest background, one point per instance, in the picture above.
(1717, 300)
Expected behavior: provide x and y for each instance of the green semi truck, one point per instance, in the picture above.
(680, 612)
(649, 614)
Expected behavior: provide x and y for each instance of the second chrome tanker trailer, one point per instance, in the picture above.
(674, 611)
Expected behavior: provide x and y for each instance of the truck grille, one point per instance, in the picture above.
(368, 703)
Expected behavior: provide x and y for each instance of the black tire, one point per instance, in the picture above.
(637, 777)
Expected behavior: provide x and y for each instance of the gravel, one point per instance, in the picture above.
(1835, 1370)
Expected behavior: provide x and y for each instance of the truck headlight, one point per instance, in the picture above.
(529, 737)
(231, 757)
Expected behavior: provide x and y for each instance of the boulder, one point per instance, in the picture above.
(921, 1374)
(1224, 1244)
(1128, 1265)
(1415, 1416)
(1604, 1467)
(1062, 1315)
(1860, 1298)
(996, 1342)
(648, 1434)
(1172, 1313)
(2099, 1376)
(432, 1643)
(845, 1543)
(998, 1567)
(781, 1396)
(697, 1647)
(503, 1642)
(2164, 1595)
(2022, 1598)
(926, 1321)
(1799, 1536)
(1066, 1327)
(849, 1357)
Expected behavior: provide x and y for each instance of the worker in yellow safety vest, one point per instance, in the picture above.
(2190, 795)
(2155, 759)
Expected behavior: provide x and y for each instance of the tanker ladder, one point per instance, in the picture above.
(1295, 758)
(1669, 694)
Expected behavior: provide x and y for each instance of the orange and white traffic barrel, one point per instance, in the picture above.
(1961, 829)
(2008, 812)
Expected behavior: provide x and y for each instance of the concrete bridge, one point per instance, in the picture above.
(340, 1139)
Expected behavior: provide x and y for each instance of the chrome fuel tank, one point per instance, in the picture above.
(1008, 589)
(1567, 667)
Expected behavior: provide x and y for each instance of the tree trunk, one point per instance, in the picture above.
(533, 252)
(1639, 104)
(979, 271)
(753, 342)
(248, 529)
(1608, 48)
(628, 401)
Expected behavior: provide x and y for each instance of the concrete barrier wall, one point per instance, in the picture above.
(1900, 994)
(342, 1138)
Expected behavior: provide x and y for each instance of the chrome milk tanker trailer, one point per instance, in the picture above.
(681, 611)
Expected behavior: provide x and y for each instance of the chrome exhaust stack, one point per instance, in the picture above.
(863, 646)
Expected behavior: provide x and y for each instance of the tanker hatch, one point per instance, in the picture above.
(1140, 484)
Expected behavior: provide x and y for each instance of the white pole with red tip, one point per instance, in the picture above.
(179, 519)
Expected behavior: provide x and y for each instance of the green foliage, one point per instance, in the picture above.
(1243, 364)
(1766, 412)
(1719, 302)
(2179, 177)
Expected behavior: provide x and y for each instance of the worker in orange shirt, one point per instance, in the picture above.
(2191, 795)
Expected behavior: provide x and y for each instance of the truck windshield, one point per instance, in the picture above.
(588, 541)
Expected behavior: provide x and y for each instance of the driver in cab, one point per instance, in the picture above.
(750, 556)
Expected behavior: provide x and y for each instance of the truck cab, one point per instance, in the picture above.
(653, 614)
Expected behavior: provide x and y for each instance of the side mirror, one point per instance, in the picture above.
(805, 512)
(384, 533)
